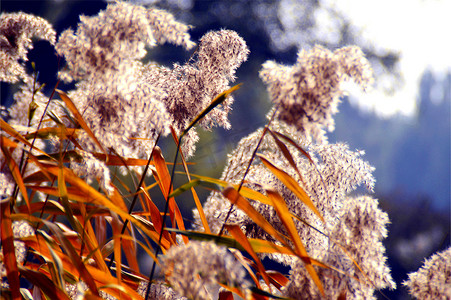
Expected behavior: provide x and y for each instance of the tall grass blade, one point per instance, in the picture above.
(236, 199)
(165, 181)
(46, 285)
(9, 253)
(236, 232)
(199, 207)
(290, 183)
(293, 143)
(286, 153)
(71, 106)
(74, 257)
(12, 132)
(14, 168)
(216, 101)
(286, 218)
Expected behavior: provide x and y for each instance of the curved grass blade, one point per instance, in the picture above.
(259, 246)
(259, 292)
(11, 131)
(199, 207)
(46, 285)
(165, 181)
(216, 101)
(244, 191)
(236, 199)
(74, 257)
(277, 279)
(9, 253)
(286, 153)
(246, 263)
(61, 131)
(185, 187)
(293, 143)
(236, 232)
(286, 218)
(14, 168)
(87, 194)
(71, 106)
(290, 183)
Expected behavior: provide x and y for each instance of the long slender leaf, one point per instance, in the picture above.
(162, 173)
(246, 263)
(86, 194)
(290, 140)
(9, 253)
(277, 279)
(71, 106)
(44, 283)
(245, 191)
(216, 101)
(199, 207)
(14, 168)
(290, 183)
(286, 152)
(47, 132)
(117, 246)
(235, 198)
(236, 232)
(75, 258)
(11, 131)
(286, 218)
(155, 216)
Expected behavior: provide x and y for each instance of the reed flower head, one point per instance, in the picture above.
(124, 111)
(116, 36)
(356, 223)
(16, 31)
(191, 87)
(26, 111)
(360, 228)
(159, 291)
(336, 173)
(306, 94)
(124, 115)
(433, 279)
(191, 268)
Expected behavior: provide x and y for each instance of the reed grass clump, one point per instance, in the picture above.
(71, 228)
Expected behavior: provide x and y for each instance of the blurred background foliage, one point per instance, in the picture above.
(411, 153)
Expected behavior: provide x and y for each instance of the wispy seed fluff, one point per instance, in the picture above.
(191, 88)
(116, 35)
(16, 31)
(125, 112)
(307, 94)
(433, 279)
(360, 229)
(192, 268)
(356, 223)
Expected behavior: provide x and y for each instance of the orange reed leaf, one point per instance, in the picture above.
(11, 131)
(235, 198)
(161, 172)
(286, 218)
(47, 286)
(236, 232)
(290, 183)
(14, 168)
(199, 207)
(74, 257)
(9, 254)
(71, 106)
